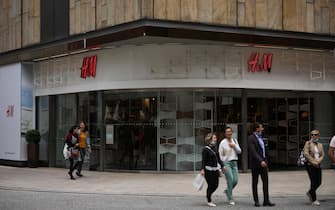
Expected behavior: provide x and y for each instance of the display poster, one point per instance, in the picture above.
(109, 134)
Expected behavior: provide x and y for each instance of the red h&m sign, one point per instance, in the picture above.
(265, 65)
(10, 111)
(89, 67)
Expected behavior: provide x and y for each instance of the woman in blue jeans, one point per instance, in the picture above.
(84, 143)
(228, 150)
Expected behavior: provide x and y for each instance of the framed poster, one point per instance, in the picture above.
(109, 134)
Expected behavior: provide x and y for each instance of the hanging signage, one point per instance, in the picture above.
(255, 64)
(89, 67)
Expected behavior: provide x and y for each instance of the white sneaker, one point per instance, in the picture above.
(316, 203)
(232, 203)
(211, 204)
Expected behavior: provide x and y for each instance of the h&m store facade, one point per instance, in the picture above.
(148, 106)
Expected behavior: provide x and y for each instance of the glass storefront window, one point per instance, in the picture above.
(131, 132)
(287, 121)
(89, 111)
(165, 129)
(66, 116)
(43, 126)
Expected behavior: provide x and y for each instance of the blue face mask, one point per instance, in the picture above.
(315, 140)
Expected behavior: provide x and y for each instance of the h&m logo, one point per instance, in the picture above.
(265, 65)
(10, 111)
(89, 67)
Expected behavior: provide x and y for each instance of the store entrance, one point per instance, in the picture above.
(287, 122)
(131, 132)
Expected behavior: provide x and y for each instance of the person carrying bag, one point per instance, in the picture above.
(313, 151)
(72, 146)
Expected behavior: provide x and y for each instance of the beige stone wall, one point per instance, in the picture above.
(82, 16)
(313, 16)
(31, 22)
(10, 25)
(113, 12)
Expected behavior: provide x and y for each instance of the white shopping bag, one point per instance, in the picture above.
(198, 182)
(66, 153)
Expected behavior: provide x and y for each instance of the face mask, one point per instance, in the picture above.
(315, 140)
(213, 143)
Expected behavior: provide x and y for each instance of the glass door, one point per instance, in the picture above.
(286, 121)
(66, 116)
(131, 132)
(89, 111)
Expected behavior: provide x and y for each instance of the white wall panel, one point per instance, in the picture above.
(173, 65)
(10, 125)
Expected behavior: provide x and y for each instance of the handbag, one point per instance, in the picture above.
(301, 159)
(198, 182)
(75, 153)
(66, 152)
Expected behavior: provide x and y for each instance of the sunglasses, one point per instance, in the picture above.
(314, 134)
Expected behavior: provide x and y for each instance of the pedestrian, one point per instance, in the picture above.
(258, 164)
(331, 151)
(228, 150)
(72, 143)
(211, 166)
(84, 143)
(313, 151)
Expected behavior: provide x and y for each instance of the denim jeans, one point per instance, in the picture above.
(231, 175)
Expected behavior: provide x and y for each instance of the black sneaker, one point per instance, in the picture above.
(269, 204)
(79, 174)
(71, 176)
(309, 196)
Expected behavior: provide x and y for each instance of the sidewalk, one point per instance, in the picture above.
(285, 183)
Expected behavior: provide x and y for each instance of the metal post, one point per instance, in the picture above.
(244, 130)
(52, 132)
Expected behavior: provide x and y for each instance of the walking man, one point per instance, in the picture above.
(258, 164)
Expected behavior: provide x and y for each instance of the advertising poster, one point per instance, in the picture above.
(26, 99)
(109, 134)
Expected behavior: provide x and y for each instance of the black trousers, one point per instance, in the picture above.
(72, 165)
(212, 179)
(315, 177)
(82, 157)
(263, 172)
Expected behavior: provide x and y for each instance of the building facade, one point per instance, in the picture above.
(151, 78)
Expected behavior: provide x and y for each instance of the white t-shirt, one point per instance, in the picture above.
(316, 152)
(332, 143)
(226, 152)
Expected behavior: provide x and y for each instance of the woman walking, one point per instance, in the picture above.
(72, 143)
(228, 150)
(211, 166)
(84, 142)
(314, 154)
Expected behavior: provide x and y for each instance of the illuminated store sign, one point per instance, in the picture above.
(257, 65)
(89, 67)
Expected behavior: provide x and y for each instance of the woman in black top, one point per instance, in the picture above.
(211, 166)
(72, 143)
